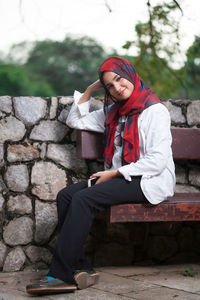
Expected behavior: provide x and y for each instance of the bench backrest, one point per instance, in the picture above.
(185, 145)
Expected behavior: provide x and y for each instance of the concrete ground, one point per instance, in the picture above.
(134, 282)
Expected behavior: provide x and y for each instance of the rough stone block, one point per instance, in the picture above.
(2, 201)
(63, 115)
(194, 177)
(116, 254)
(137, 233)
(29, 109)
(181, 188)
(180, 175)
(95, 167)
(3, 250)
(183, 257)
(14, 260)
(2, 213)
(176, 114)
(2, 115)
(1, 155)
(53, 108)
(96, 104)
(118, 232)
(73, 136)
(164, 228)
(18, 231)
(36, 254)
(66, 100)
(3, 187)
(17, 178)
(76, 180)
(47, 180)
(52, 131)
(46, 221)
(186, 239)
(6, 104)
(67, 157)
(53, 242)
(21, 153)
(11, 129)
(161, 247)
(193, 113)
(42, 147)
(19, 204)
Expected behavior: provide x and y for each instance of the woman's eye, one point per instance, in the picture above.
(118, 78)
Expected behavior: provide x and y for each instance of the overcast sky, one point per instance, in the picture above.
(40, 19)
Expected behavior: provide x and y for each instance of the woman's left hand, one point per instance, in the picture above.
(106, 175)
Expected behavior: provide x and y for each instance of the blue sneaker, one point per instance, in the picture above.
(50, 286)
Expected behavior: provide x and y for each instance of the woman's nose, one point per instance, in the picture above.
(117, 86)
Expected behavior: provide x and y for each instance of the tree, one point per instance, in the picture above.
(15, 81)
(191, 70)
(157, 43)
(67, 65)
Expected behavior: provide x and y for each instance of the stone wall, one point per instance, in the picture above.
(38, 158)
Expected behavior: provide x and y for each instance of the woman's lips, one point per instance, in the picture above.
(122, 92)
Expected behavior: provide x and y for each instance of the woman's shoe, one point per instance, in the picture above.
(48, 287)
(85, 278)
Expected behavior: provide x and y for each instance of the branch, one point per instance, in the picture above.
(108, 6)
(177, 4)
(150, 25)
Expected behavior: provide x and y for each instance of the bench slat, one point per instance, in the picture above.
(186, 144)
(89, 144)
(180, 207)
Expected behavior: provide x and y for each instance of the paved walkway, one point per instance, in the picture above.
(139, 283)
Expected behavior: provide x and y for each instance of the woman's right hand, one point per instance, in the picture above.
(95, 86)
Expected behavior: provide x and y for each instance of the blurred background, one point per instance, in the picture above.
(52, 47)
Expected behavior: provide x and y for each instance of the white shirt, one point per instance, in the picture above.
(155, 165)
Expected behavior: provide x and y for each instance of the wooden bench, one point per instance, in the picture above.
(180, 207)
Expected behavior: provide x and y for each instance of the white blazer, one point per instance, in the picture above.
(156, 164)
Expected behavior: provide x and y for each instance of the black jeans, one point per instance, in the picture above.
(76, 206)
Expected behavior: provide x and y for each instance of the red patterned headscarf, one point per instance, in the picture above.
(141, 98)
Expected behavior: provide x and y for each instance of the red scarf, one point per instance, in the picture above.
(141, 98)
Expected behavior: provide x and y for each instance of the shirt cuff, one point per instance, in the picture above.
(124, 170)
(83, 107)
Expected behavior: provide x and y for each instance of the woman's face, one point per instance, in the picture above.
(119, 87)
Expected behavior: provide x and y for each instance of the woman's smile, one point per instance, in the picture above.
(122, 92)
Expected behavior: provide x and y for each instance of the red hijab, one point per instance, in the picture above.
(141, 98)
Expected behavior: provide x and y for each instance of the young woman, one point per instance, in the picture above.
(138, 167)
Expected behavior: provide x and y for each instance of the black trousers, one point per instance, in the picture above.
(76, 206)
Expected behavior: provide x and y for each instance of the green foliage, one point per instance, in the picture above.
(189, 272)
(157, 42)
(191, 69)
(159, 35)
(15, 81)
(154, 72)
(67, 65)
(48, 68)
